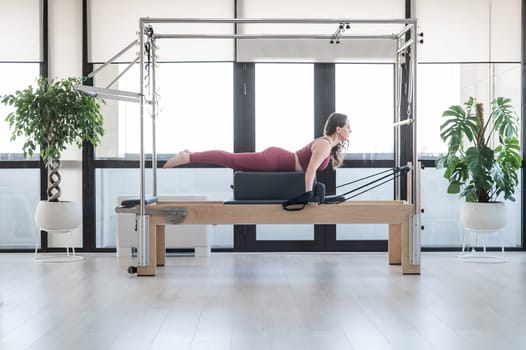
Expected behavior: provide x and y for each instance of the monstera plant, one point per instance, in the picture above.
(484, 155)
(50, 116)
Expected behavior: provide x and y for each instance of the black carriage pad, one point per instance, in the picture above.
(273, 188)
(268, 186)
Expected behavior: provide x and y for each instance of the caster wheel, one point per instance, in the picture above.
(132, 270)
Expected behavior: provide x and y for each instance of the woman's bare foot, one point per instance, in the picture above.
(180, 158)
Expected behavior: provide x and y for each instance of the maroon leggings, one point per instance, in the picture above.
(271, 159)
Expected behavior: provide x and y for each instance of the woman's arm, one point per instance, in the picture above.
(321, 149)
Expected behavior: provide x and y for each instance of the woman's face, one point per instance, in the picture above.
(345, 131)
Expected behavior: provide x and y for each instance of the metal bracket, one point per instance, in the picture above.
(172, 216)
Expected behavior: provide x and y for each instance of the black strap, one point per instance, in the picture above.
(317, 195)
(299, 202)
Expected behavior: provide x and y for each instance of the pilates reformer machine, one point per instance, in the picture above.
(402, 216)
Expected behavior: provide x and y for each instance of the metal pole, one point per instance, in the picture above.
(416, 244)
(153, 78)
(403, 48)
(272, 36)
(142, 249)
(280, 20)
(404, 122)
(405, 30)
(397, 119)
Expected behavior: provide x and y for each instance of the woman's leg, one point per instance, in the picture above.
(271, 159)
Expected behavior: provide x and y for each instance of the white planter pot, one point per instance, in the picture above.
(483, 216)
(58, 216)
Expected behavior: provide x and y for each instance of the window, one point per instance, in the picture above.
(365, 93)
(195, 111)
(443, 85)
(284, 105)
(284, 118)
(15, 76)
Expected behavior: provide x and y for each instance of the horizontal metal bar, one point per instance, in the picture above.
(119, 98)
(270, 36)
(403, 122)
(119, 54)
(278, 20)
(111, 94)
(107, 91)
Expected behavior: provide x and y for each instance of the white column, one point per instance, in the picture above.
(65, 60)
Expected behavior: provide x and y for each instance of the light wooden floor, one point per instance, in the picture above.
(263, 301)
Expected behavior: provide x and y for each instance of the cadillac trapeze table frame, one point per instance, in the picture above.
(403, 217)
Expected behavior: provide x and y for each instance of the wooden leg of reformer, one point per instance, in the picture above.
(151, 268)
(407, 267)
(394, 244)
(161, 245)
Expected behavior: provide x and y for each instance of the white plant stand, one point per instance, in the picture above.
(483, 256)
(58, 258)
(62, 218)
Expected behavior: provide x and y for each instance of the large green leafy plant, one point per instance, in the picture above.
(483, 155)
(51, 116)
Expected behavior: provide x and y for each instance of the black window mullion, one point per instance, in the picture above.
(244, 135)
(89, 237)
(44, 71)
(324, 104)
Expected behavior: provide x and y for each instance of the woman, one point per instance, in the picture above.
(314, 156)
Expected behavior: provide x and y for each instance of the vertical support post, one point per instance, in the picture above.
(397, 92)
(142, 247)
(150, 268)
(415, 236)
(153, 78)
(409, 266)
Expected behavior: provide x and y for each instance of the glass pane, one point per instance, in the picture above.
(443, 85)
(19, 197)
(442, 212)
(383, 192)
(114, 183)
(284, 232)
(182, 89)
(284, 102)
(365, 93)
(15, 76)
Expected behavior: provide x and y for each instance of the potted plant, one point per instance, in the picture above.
(482, 160)
(50, 116)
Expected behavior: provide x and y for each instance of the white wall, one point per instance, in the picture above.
(65, 60)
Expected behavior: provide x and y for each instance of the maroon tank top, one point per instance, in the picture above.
(305, 153)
